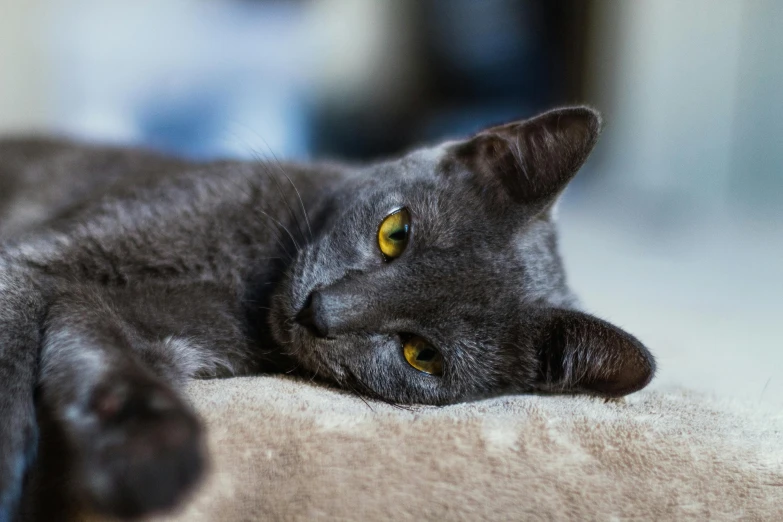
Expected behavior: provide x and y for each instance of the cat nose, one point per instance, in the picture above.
(310, 315)
(336, 310)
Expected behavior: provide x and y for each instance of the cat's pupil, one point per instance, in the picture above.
(397, 235)
(426, 355)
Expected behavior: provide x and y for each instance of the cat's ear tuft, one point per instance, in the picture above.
(577, 352)
(531, 161)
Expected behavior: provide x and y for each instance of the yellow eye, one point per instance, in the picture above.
(422, 356)
(393, 233)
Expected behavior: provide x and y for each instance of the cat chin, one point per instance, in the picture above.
(310, 352)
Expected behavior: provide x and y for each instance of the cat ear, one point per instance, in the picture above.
(578, 352)
(531, 161)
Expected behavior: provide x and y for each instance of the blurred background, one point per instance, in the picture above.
(674, 229)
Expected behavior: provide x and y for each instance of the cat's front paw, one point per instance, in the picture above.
(18, 442)
(146, 453)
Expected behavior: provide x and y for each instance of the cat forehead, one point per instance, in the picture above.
(432, 155)
(422, 164)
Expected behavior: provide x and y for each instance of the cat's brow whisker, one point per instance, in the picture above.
(275, 232)
(301, 202)
(298, 195)
(296, 244)
(268, 171)
(264, 164)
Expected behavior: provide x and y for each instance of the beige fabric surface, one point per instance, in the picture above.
(284, 449)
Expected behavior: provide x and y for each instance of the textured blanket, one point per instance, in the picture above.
(283, 449)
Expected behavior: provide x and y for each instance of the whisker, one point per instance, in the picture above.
(251, 198)
(285, 199)
(296, 244)
(298, 194)
(265, 167)
(360, 396)
(316, 372)
(301, 204)
(263, 163)
(278, 236)
(374, 395)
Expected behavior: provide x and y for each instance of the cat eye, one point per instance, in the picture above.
(422, 356)
(393, 233)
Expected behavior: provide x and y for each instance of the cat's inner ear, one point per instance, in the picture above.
(531, 161)
(577, 352)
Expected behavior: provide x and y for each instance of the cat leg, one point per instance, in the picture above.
(21, 315)
(110, 367)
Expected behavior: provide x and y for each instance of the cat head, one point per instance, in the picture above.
(435, 277)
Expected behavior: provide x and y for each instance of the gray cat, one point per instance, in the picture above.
(430, 278)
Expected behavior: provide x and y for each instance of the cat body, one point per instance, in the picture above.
(430, 278)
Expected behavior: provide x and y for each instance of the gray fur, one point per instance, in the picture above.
(124, 273)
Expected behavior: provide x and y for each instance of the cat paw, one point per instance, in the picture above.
(18, 443)
(147, 451)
